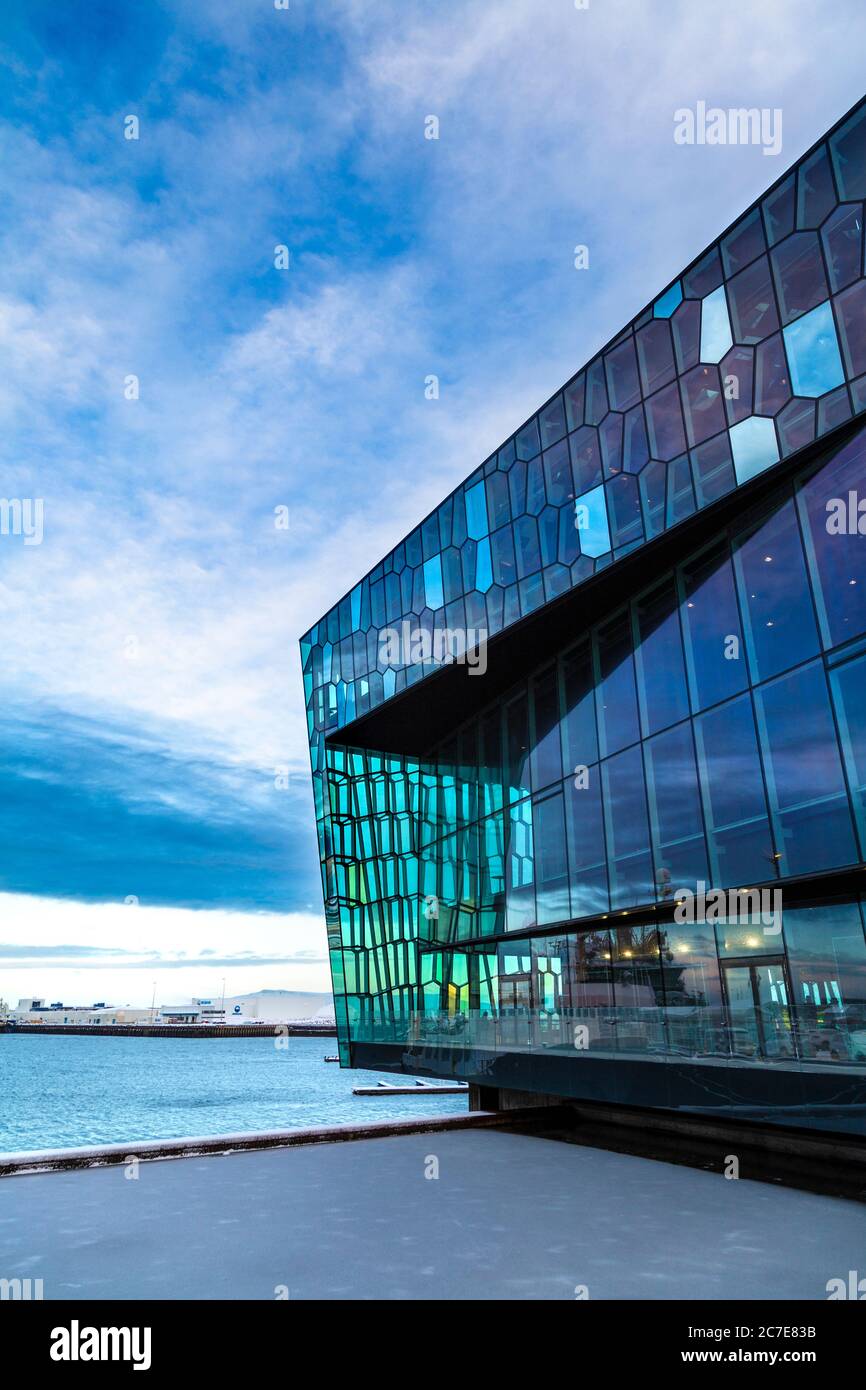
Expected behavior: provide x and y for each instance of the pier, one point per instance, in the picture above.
(177, 1030)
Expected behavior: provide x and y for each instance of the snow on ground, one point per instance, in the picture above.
(508, 1217)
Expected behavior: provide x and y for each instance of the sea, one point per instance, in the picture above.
(60, 1092)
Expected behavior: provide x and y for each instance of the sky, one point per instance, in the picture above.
(155, 808)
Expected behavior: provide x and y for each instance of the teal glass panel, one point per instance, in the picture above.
(754, 447)
(590, 514)
(813, 353)
(520, 863)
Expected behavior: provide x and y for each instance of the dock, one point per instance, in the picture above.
(419, 1088)
(176, 1030)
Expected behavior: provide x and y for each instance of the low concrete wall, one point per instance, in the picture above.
(58, 1160)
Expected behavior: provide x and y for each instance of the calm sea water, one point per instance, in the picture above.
(60, 1091)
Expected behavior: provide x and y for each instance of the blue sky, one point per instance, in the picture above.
(150, 686)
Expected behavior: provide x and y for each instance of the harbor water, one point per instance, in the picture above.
(60, 1092)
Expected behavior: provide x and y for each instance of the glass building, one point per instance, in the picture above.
(589, 745)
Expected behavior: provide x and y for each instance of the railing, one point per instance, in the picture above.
(704, 1034)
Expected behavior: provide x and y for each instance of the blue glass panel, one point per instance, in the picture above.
(815, 192)
(675, 811)
(813, 353)
(665, 306)
(590, 514)
(596, 393)
(775, 597)
(851, 310)
(622, 379)
(804, 772)
(585, 458)
(713, 469)
(735, 806)
(546, 760)
(703, 406)
(656, 355)
(483, 567)
(754, 446)
(476, 512)
(616, 696)
(716, 335)
(579, 736)
(636, 446)
(433, 583)
(746, 242)
(653, 481)
(704, 277)
(848, 682)
(848, 149)
(798, 269)
(835, 546)
(753, 304)
(827, 964)
(586, 847)
(711, 627)
(557, 474)
(665, 420)
(624, 798)
(779, 211)
(551, 864)
(659, 658)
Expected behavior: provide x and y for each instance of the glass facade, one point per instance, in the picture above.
(503, 902)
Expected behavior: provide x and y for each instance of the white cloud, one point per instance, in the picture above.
(153, 941)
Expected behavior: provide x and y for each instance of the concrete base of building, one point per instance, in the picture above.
(765, 1153)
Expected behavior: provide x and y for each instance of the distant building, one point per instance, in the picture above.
(265, 1006)
(180, 1013)
(30, 1010)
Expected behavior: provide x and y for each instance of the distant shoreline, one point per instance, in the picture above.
(175, 1030)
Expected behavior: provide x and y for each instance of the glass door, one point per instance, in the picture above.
(759, 1008)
